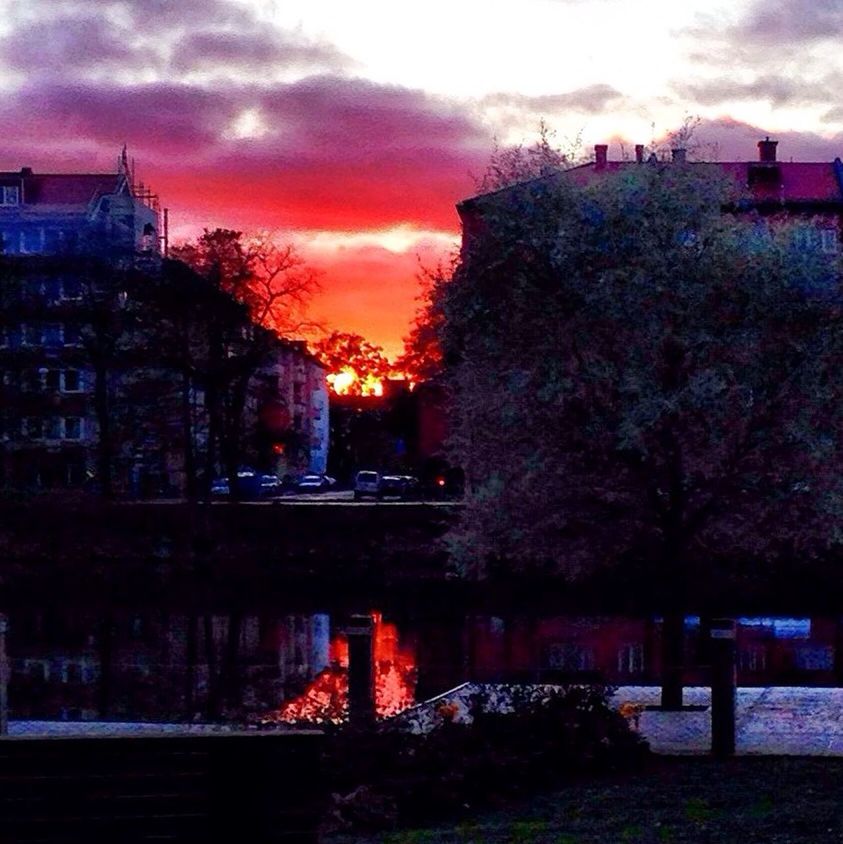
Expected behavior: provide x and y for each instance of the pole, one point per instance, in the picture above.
(723, 687)
(4, 678)
(361, 685)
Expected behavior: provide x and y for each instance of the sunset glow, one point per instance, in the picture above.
(302, 118)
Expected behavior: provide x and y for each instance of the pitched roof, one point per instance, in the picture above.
(798, 181)
(64, 188)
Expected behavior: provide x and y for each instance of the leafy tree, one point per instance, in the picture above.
(421, 359)
(637, 373)
(355, 366)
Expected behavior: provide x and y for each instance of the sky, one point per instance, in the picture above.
(352, 128)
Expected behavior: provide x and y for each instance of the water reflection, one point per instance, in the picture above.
(326, 698)
(200, 666)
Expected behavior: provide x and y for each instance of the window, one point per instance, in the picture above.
(752, 659)
(631, 659)
(52, 290)
(828, 241)
(52, 380)
(72, 428)
(52, 428)
(72, 381)
(33, 427)
(30, 241)
(9, 195)
(32, 381)
(53, 335)
(570, 657)
(71, 289)
(33, 334)
(52, 241)
(71, 335)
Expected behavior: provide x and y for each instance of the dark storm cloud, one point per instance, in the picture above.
(592, 99)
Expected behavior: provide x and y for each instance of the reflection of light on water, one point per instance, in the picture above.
(326, 698)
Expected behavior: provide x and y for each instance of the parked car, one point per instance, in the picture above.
(406, 487)
(315, 483)
(270, 485)
(251, 485)
(367, 483)
(391, 486)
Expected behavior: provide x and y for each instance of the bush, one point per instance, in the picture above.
(537, 739)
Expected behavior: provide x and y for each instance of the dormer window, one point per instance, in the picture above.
(9, 195)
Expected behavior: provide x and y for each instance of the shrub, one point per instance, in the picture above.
(539, 738)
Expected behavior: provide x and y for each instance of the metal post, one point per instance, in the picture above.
(4, 678)
(723, 687)
(361, 680)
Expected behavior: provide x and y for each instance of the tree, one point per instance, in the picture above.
(637, 373)
(273, 286)
(519, 163)
(269, 278)
(355, 366)
(421, 359)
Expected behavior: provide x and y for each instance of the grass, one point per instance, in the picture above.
(675, 800)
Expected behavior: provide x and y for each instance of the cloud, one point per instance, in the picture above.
(157, 39)
(794, 21)
(250, 51)
(777, 89)
(592, 99)
(737, 141)
(70, 44)
(335, 153)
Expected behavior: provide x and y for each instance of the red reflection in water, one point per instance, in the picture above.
(326, 698)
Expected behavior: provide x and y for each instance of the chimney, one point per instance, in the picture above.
(678, 155)
(601, 153)
(767, 150)
(26, 171)
(639, 153)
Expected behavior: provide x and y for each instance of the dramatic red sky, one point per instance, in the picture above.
(353, 128)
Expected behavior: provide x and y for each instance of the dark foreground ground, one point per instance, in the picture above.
(770, 800)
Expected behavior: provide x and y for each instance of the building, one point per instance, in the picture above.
(111, 355)
(765, 187)
(289, 410)
(53, 228)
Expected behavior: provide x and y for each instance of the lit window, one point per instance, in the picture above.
(10, 195)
